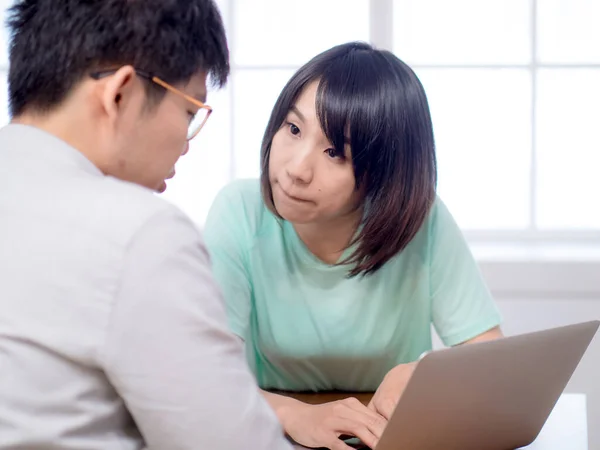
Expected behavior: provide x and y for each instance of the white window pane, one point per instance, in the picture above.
(482, 126)
(223, 6)
(4, 4)
(568, 148)
(255, 94)
(275, 32)
(4, 118)
(207, 166)
(462, 31)
(569, 31)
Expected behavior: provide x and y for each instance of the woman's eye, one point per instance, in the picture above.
(294, 129)
(333, 153)
(191, 115)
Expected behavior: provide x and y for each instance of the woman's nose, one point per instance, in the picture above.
(300, 169)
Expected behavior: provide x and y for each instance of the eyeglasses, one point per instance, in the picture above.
(199, 119)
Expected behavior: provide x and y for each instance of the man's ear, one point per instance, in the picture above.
(118, 90)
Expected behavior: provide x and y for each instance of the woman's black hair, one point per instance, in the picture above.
(380, 102)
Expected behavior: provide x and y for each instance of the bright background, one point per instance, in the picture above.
(514, 89)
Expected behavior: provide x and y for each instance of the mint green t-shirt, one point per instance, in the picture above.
(308, 327)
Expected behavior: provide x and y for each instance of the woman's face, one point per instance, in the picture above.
(310, 180)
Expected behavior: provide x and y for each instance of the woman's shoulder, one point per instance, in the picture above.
(436, 222)
(240, 203)
(440, 219)
(440, 234)
(242, 191)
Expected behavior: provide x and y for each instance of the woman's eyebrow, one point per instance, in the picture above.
(296, 111)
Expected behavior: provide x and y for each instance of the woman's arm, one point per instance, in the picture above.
(490, 335)
(283, 405)
(227, 235)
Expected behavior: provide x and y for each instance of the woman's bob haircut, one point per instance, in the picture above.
(379, 101)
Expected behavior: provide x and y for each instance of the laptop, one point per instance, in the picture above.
(492, 395)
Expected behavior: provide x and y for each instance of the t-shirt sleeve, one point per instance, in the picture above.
(227, 238)
(462, 306)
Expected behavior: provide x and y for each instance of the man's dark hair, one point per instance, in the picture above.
(56, 43)
(380, 102)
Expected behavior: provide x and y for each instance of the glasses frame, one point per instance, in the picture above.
(153, 78)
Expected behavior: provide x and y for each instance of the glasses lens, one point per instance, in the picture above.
(197, 122)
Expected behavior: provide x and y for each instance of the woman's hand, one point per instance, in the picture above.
(322, 425)
(391, 388)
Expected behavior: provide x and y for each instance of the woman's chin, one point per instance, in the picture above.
(293, 215)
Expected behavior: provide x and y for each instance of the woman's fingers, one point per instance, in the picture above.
(385, 407)
(343, 425)
(360, 413)
(337, 444)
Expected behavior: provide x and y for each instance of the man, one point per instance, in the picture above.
(112, 332)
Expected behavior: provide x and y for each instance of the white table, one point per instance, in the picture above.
(566, 428)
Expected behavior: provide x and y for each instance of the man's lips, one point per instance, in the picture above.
(163, 185)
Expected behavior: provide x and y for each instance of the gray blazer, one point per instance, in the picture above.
(112, 330)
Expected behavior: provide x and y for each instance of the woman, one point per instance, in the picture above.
(335, 264)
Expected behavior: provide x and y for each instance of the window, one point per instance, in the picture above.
(513, 85)
(514, 88)
(3, 63)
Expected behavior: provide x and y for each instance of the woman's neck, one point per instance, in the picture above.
(328, 240)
